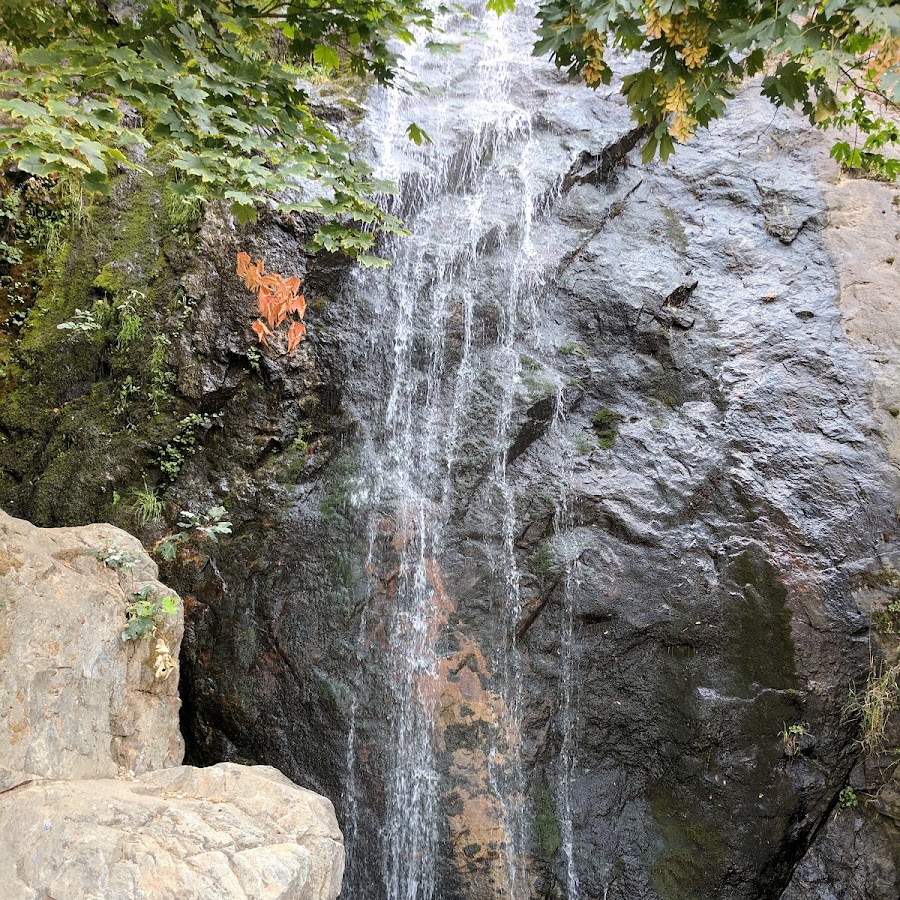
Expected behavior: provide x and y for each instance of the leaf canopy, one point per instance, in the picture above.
(836, 60)
(213, 88)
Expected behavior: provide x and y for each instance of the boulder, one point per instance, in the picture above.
(79, 706)
(76, 701)
(182, 833)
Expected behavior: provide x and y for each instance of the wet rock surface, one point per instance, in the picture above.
(856, 853)
(711, 583)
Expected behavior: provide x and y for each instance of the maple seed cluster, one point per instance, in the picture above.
(279, 301)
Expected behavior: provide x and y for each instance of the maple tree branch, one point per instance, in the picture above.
(869, 90)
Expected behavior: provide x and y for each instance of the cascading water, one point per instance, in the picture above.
(570, 552)
(447, 345)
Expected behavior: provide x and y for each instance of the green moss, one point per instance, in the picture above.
(759, 624)
(675, 230)
(694, 850)
(542, 561)
(110, 279)
(583, 446)
(82, 415)
(535, 379)
(574, 349)
(887, 621)
(183, 204)
(546, 832)
(606, 426)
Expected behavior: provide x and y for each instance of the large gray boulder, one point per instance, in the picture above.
(77, 700)
(183, 833)
(79, 706)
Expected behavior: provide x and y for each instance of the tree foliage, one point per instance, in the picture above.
(213, 89)
(210, 87)
(836, 60)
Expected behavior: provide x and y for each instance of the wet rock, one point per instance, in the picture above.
(694, 584)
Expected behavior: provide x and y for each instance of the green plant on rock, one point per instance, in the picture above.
(791, 736)
(542, 561)
(84, 321)
(208, 526)
(887, 621)
(161, 379)
(9, 256)
(847, 798)
(583, 446)
(875, 704)
(114, 557)
(145, 611)
(299, 444)
(546, 832)
(184, 201)
(117, 558)
(147, 505)
(129, 320)
(574, 349)
(126, 391)
(184, 444)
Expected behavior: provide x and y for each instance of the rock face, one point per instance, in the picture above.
(80, 706)
(77, 701)
(656, 530)
(856, 854)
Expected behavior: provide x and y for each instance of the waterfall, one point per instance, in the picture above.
(567, 648)
(441, 344)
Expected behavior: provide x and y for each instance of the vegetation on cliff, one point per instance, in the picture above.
(214, 91)
(838, 61)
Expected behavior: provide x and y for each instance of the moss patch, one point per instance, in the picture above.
(606, 426)
(84, 414)
(546, 833)
(694, 850)
(759, 623)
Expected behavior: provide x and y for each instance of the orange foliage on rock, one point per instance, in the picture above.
(279, 301)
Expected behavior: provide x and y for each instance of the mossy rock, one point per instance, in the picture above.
(78, 422)
(546, 831)
(694, 850)
(759, 623)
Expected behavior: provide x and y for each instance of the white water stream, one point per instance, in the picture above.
(445, 343)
